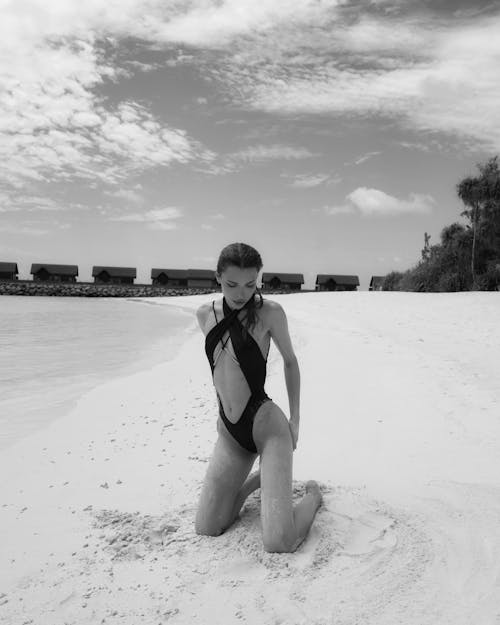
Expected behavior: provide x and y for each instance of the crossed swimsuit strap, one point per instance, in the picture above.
(247, 351)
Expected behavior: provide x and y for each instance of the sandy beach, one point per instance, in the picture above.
(400, 425)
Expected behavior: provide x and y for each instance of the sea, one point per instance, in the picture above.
(54, 349)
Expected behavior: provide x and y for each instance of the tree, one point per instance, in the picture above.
(468, 256)
(391, 281)
(481, 195)
(469, 191)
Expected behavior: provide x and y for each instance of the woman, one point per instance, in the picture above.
(250, 424)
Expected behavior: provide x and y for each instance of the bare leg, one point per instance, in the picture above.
(284, 526)
(251, 484)
(225, 487)
(305, 511)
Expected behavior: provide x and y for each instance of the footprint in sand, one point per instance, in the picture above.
(368, 533)
(129, 535)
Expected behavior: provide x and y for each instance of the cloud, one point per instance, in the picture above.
(128, 195)
(425, 71)
(22, 229)
(262, 153)
(308, 181)
(342, 209)
(155, 219)
(373, 202)
(215, 24)
(54, 126)
(256, 155)
(365, 157)
(15, 202)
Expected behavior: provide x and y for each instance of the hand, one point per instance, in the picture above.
(294, 431)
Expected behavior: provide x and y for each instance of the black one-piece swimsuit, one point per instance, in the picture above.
(253, 365)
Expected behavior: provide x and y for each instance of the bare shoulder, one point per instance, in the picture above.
(269, 306)
(202, 313)
(272, 312)
(277, 324)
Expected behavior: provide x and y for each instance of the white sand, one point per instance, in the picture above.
(400, 424)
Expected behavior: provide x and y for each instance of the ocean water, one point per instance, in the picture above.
(54, 349)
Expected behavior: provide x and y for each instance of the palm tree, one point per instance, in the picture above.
(470, 190)
(481, 194)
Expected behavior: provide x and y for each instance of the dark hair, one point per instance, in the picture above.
(245, 257)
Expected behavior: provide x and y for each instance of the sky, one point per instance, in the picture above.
(329, 135)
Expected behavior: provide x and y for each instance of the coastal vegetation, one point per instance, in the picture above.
(467, 258)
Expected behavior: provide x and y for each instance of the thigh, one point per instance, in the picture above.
(274, 443)
(270, 424)
(227, 470)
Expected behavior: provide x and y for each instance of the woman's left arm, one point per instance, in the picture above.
(278, 328)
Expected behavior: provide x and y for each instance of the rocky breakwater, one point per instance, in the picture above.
(85, 289)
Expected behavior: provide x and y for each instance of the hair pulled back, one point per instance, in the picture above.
(245, 257)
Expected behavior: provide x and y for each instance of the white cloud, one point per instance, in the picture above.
(217, 216)
(128, 195)
(161, 225)
(14, 202)
(428, 73)
(308, 181)
(373, 202)
(275, 56)
(154, 219)
(207, 227)
(365, 157)
(341, 209)
(261, 153)
(218, 23)
(53, 124)
(257, 155)
(22, 229)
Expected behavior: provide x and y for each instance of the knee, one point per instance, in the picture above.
(202, 528)
(279, 543)
(205, 525)
(278, 546)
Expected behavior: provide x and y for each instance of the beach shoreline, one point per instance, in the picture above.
(45, 370)
(98, 508)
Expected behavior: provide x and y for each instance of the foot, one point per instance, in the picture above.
(251, 484)
(312, 488)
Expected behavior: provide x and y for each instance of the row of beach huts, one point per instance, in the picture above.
(194, 278)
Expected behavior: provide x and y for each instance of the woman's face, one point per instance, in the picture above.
(238, 285)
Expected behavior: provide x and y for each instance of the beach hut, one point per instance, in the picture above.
(335, 282)
(113, 275)
(376, 283)
(285, 281)
(204, 278)
(8, 271)
(169, 277)
(53, 273)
